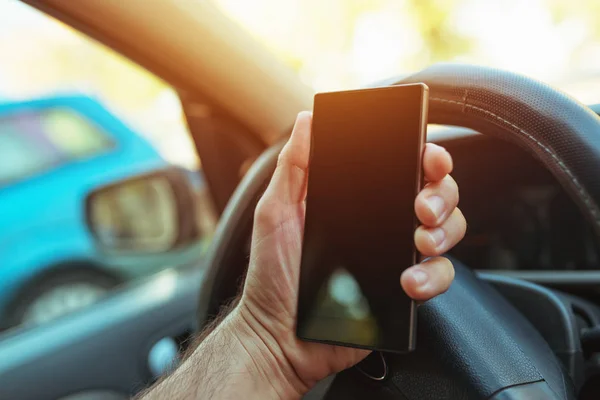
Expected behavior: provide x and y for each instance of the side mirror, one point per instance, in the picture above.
(151, 213)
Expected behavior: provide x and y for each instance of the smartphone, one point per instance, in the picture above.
(365, 171)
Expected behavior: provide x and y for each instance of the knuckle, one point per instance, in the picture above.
(441, 264)
(456, 227)
(284, 156)
(445, 270)
(424, 243)
(446, 188)
(450, 188)
(424, 213)
(281, 158)
(265, 213)
(462, 223)
(451, 271)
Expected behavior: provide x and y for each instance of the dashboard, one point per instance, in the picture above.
(519, 217)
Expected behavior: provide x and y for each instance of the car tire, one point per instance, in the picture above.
(58, 293)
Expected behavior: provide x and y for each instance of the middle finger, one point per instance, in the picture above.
(436, 202)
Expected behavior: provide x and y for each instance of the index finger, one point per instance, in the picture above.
(437, 162)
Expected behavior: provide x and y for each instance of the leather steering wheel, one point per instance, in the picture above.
(471, 342)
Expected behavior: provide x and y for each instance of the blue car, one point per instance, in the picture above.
(54, 152)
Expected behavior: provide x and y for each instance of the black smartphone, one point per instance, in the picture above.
(364, 174)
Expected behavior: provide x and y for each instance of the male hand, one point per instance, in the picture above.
(264, 320)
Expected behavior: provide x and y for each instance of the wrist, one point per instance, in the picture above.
(231, 362)
(261, 355)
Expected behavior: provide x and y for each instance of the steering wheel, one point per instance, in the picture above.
(472, 343)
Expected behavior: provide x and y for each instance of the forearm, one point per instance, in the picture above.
(229, 364)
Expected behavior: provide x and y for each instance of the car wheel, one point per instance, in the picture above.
(59, 294)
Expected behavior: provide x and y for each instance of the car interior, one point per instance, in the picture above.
(520, 321)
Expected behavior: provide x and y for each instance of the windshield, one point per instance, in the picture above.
(339, 44)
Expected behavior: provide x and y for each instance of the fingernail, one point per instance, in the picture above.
(435, 205)
(420, 276)
(438, 235)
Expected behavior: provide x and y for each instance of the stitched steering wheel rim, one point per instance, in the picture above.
(556, 129)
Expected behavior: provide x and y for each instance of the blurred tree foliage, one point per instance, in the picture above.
(587, 11)
(441, 39)
(331, 42)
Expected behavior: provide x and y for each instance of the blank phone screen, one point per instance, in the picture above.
(364, 174)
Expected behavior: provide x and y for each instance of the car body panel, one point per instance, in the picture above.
(43, 220)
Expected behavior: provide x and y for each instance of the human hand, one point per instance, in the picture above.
(266, 315)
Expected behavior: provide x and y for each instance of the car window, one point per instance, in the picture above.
(35, 141)
(100, 184)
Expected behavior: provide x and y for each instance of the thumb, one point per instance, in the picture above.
(288, 184)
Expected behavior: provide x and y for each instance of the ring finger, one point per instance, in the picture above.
(437, 240)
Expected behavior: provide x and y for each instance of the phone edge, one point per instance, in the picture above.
(412, 334)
